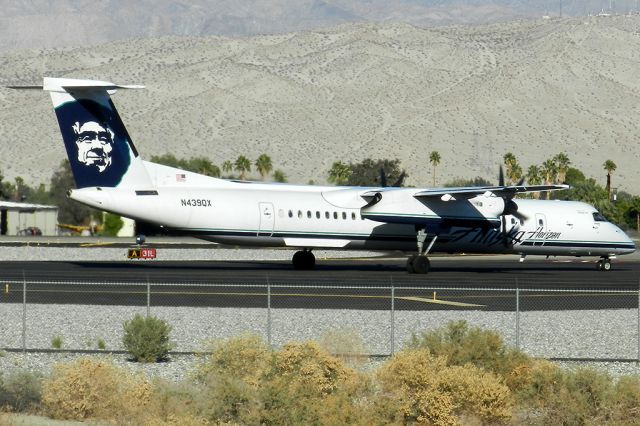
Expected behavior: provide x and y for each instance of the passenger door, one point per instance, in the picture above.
(267, 219)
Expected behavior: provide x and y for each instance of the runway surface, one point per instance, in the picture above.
(459, 283)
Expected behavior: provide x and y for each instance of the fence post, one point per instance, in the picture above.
(638, 337)
(517, 315)
(268, 311)
(148, 297)
(393, 322)
(24, 312)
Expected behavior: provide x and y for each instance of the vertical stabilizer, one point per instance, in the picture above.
(99, 148)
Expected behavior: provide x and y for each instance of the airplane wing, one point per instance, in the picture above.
(500, 191)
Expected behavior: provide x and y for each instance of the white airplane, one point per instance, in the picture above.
(111, 176)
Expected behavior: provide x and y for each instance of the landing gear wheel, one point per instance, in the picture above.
(410, 260)
(303, 260)
(604, 265)
(421, 265)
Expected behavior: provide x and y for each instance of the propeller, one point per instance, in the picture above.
(510, 206)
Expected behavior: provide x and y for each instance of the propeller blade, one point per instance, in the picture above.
(501, 177)
(520, 216)
(520, 182)
(383, 178)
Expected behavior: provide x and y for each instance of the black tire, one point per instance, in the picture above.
(599, 265)
(310, 260)
(303, 260)
(421, 265)
(410, 260)
(298, 260)
(606, 265)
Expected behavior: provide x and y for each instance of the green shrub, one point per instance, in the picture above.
(112, 225)
(56, 342)
(102, 345)
(146, 338)
(20, 391)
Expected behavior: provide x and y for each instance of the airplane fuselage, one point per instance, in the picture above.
(310, 217)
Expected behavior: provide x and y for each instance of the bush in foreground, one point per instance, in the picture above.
(87, 388)
(243, 381)
(462, 344)
(20, 391)
(429, 391)
(146, 338)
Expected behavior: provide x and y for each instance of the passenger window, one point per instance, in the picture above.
(335, 215)
(598, 217)
(309, 214)
(344, 215)
(326, 215)
(353, 216)
(299, 214)
(290, 213)
(317, 214)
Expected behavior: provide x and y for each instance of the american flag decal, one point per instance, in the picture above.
(181, 177)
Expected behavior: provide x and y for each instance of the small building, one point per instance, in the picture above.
(28, 219)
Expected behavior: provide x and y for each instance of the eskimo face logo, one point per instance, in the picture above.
(95, 144)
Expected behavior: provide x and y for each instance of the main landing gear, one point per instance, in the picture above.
(303, 260)
(604, 264)
(419, 263)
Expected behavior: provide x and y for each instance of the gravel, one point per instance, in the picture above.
(607, 334)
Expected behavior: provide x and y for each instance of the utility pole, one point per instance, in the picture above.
(561, 8)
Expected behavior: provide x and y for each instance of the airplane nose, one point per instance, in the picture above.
(627, 244)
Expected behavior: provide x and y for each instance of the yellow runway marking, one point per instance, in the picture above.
(441, 302)
(98, 244)
(202, 293)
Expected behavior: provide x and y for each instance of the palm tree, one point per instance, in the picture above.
(562, 162)
(242, 165)
(610, 167)
(339, 173)
(549, 170)
(203, 166)
(264, 166)
(434, 158)
(279, 176)
(510, 163)
(227, 166)
(534, 177)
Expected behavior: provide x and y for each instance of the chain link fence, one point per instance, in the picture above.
(547, 321)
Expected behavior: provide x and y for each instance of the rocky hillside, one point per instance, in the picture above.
(534, 88)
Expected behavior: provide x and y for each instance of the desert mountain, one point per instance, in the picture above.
(60, 23)
(307, 99)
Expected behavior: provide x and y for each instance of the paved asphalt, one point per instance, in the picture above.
(336, 284)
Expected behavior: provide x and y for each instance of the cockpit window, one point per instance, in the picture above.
(598, 217)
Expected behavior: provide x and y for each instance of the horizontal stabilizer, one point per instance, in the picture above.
(74, 85)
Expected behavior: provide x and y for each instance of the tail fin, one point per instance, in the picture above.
(99, 148)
